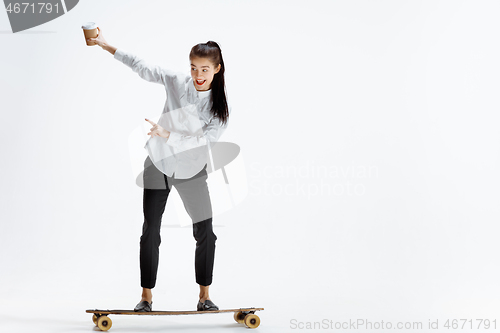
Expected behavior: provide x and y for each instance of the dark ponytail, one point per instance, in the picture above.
(212, 51)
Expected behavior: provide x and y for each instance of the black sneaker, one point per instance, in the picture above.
(207, 306)
(144, 306)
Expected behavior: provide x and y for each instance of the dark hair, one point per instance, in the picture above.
(212, 51)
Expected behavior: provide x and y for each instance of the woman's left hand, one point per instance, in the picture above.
(157, 130)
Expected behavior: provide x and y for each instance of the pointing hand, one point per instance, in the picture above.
(157, 130)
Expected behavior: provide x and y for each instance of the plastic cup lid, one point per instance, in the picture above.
(89, 26)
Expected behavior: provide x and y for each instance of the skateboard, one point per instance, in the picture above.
(245, 316)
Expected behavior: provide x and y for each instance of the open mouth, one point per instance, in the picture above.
(200, 83)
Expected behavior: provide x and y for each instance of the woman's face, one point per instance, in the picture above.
(202, 72)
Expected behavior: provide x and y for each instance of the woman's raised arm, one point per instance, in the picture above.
(173, 81)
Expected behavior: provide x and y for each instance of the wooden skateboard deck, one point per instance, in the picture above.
(245, 316)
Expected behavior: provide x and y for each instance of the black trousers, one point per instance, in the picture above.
(196, 199)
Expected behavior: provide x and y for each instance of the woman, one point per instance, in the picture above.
(195, 115)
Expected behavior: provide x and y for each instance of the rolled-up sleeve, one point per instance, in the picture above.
(149, 72)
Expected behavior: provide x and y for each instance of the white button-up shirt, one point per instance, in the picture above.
(186, 115)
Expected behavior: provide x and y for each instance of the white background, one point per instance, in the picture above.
(369, 132)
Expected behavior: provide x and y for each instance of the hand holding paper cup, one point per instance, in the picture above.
(90, 30)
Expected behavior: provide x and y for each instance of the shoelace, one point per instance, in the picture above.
(207, 306)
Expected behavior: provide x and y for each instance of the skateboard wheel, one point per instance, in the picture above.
(94, 319)
(104, 323)
(252, 321)
(239, 317)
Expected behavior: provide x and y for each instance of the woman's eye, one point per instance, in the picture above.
(204, 70)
